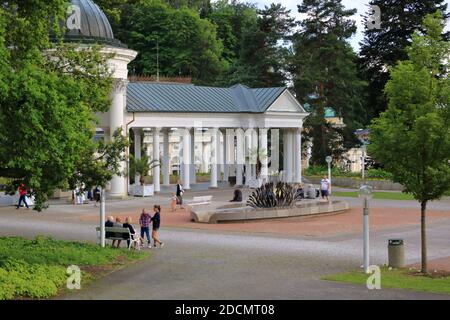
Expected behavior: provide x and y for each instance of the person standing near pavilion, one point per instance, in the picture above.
(22, 196)
(180, 192)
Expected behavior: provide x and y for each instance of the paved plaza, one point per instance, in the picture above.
(274, 259)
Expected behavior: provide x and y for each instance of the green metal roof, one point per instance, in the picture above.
(329, 111)
(159, 97)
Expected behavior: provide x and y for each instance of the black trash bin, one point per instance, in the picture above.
(396, 253)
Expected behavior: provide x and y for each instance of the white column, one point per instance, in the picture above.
(156, 169)
(193, 173)
(275, 150)
(137, 149)
(166, 157)
(248, 155)
(229, 152)
(205, 157)
(219, 153)
(214, 157)
(186, 157)
(226, 167)
(255, 152)
(240, 160)
(298, 156)
(263, 151)
(117, 185)
(289, 155)
(285, 153)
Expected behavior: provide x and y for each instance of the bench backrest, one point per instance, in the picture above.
(114, 229)
(202, 199)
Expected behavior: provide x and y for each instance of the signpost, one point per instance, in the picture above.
(102, 217)
(328, 159)
(365, 193)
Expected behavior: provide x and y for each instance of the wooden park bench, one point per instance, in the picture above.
(117, 233)
(200, 200)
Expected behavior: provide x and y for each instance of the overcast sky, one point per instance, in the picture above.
(360, 5)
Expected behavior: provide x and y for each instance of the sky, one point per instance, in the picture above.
(360, 5)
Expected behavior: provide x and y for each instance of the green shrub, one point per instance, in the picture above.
(37, 268)
(323, 171)
(336, 172)
(378, 174)
(21, 279)
(45, 250)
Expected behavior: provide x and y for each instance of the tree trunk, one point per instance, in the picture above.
(423, 208)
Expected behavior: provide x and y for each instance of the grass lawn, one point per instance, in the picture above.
(376, 195)
(400, 279)
(37, 268)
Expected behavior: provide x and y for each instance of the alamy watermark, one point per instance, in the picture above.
(73, 21)
(374, 19)
(374, 280)
(74, 279)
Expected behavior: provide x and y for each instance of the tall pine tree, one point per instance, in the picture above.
(262, 57)
(383, 48)
(325, 75)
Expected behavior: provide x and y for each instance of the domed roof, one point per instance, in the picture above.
(88, 24)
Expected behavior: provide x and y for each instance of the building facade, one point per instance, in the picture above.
(223, 131)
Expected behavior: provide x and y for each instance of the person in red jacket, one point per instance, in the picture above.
(23, 193)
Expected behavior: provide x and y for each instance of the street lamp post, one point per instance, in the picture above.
(362, 135)
(365, 193)
(363, 160)
(102, 217)
(328, 159)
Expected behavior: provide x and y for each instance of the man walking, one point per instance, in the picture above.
(23, 196)
(325, 188)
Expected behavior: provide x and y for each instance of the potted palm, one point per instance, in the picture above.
(141, 167)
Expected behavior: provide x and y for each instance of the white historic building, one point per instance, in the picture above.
(199, 128)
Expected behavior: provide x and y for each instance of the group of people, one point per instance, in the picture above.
(325, 189)
(145, 220)
(92, 195)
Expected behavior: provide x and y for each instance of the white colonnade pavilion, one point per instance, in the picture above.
(238, 120)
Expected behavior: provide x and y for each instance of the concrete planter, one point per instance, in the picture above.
(7, 200)
(142, 191)
(241, 212)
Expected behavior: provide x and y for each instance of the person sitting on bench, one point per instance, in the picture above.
(109, 223)
(133, 234)
(118, 224)
(237, 197)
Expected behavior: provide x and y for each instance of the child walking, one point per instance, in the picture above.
(156, 220)
(173, 202)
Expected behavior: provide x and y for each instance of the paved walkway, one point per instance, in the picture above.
(277, 259)
(199, 265)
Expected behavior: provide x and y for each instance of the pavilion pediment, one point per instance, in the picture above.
(286, 102)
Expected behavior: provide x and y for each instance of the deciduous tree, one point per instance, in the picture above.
(412, 137)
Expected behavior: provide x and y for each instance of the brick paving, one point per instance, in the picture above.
(325, 225)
